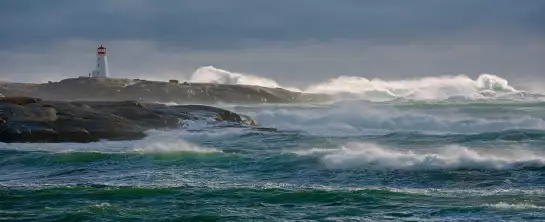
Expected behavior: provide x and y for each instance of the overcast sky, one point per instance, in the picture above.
(295, 42)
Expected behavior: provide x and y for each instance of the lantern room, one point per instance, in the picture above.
(101, 50)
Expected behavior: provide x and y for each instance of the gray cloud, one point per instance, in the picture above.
(236, 23)
(294, 41)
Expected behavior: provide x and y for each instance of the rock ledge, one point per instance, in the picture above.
(27, 119)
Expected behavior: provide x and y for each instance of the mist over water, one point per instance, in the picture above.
(485, 86)
(434, 148)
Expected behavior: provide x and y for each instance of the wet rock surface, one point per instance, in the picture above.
(27, 119)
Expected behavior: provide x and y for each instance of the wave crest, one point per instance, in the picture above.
(426, 88)
(357, 117)
(518, 206)
(210, 74)
(173, 146)
(156, 142)
(354, 155)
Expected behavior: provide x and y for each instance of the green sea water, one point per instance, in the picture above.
(346, 161)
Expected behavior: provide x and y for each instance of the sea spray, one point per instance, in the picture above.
(168, 144)
(357, 117)
(425, 88)
(210, 74)
(156, 142)
(455, 159)
(368, 155)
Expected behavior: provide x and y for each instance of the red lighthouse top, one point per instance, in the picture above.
(101, 50)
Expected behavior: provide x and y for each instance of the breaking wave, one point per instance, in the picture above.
(519, 206)
(166, 142)
(210, 74)
(367, 155)
(357, 117)
(427, 88)
(156, 142)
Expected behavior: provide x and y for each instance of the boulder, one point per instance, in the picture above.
(62, 122)
(19, 100)
(24, 119)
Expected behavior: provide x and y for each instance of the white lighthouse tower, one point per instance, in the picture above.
(101, 70)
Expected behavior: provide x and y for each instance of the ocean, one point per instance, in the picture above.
(406, 159)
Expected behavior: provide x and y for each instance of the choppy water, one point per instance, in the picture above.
(347, 161)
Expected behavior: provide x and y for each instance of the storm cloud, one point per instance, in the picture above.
(296, 42)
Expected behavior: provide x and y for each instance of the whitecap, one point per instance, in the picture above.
(360, 117)
(368, 155)
(517, 206)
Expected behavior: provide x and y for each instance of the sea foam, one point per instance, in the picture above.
(518, 206)
(357, 117)
(155, 142)
(368, 155)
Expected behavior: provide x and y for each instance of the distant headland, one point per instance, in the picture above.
(97, 107)
(110, 89)
(99, 86)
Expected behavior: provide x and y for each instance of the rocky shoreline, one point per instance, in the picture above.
(28, 119)
(92, 109)
(109, 89)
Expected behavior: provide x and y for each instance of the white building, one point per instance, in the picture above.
(101, 70)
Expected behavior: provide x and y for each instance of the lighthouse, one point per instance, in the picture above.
(101, 70)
